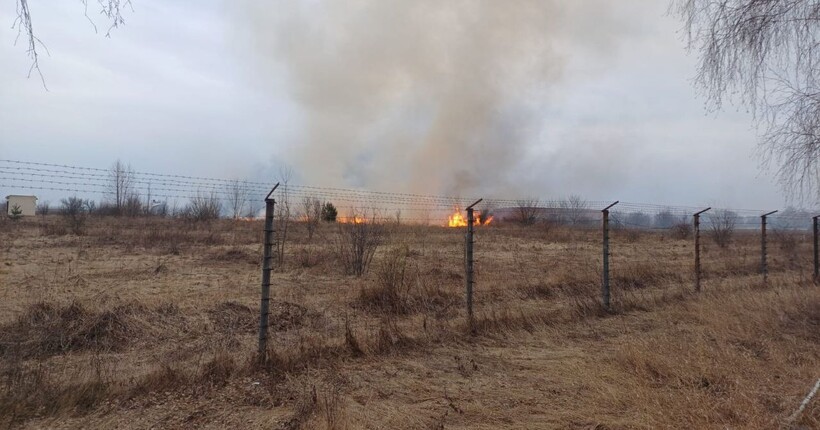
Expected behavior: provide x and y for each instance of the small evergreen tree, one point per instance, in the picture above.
(16, 213)
(329, 212)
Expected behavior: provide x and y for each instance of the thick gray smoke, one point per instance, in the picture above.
(424, 96)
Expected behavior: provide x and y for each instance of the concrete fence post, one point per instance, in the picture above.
(469, 263)
(816, 248)
(605, 293)
(696, 217)
(764, 268)
(267, 266)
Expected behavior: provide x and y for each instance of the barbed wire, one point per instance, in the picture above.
(82, 179)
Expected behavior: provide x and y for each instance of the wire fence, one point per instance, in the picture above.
(622, 259)
(175, 191)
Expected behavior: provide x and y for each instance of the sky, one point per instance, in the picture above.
(594, 99)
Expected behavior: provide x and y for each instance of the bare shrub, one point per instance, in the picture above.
(252, 209)
(74, 212)
(132, 205)
(527, 211)
(356, 243)
(237, 197)
(120, 185)
(681, 231)
(392, 293)
(106, 209)
(574, 209)
(203, 208)
(722, 226)
(43, 208)
(312, 212)
(283, 214)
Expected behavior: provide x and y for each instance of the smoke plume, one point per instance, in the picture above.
(422, 96)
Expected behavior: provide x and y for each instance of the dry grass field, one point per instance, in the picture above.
(152, 323)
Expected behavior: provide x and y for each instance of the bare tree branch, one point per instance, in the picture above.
(111, 9)
(312, 208)
(237, 197)
(766, 53)
(574, 209)
(120, 185)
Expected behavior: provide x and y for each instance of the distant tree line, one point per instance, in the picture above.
(122, 198)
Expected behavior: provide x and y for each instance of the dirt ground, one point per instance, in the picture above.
(152, 323)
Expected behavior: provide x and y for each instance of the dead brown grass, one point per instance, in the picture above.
(45, 329)
(110, 328)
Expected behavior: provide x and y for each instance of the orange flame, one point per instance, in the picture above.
(351, 220)
(457, 220)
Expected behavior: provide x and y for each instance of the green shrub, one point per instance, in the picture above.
(16, 213)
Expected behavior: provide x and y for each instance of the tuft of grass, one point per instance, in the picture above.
(218, 370)
(46, 329)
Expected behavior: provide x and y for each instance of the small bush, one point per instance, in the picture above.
(16, 213)
(132, 206)
(74, 211)
(392, 294)
(681, 231)
(43, 208)
(312, 208)
(722, 227)
(526, 211)
(203, 208)
(356, 243)
(329, 212)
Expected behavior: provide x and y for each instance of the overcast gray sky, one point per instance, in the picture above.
(194, 88)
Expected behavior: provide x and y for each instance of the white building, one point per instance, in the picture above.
(27, 204)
